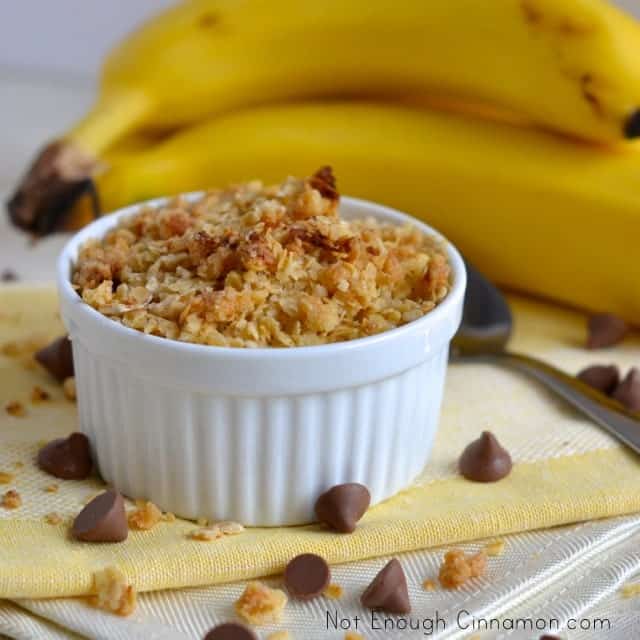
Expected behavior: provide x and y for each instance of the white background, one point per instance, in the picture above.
(70, 37)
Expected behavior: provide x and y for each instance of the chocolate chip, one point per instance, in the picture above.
(231, 631)
(67, 458)
(601, 377)
(388, 590)
(605, 330)
(484, 460)
(8, 275)
(57, 358)
(343, 505)
(102, 520)
(628, 391)
(307, 576)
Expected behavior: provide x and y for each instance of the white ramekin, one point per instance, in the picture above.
(255, 435)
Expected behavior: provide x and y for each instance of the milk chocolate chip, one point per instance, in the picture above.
(484, 460)
(388, 590)
(601, 377)
(67, 458)
(102, 520)
(628, 391)
(57, 358)
(307, 576)
(343, 505)
(231, 631)
(605, 330)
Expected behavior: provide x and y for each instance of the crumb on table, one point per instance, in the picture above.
(53, 518)
(69, 389)
(112, 592)
(457, 567)
(352, 635)
(429, 585)
(6, 478)
(279, 635)
(495, 548)
(11, 500)
(16, 409)
(334, 591)
(630, 590)
(168, 517)
(52, 488)
(260, 604)
(146, 516)
(38, 395)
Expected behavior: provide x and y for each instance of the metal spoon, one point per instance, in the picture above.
(483, 336)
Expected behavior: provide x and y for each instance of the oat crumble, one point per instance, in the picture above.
(6, 478)
(495, 548)
(146, 516)
(38, 394)
(52, 488)
(16, 409)
(334, 591)
(351, 635)
(112, 592)
(457, 568)
(279, 635)
(11, 500)
(631, 590)
(53, 518)
(216, 530)
(168, 517)
(429, 585)
(69, 389)
(256, 266)
(259, 604)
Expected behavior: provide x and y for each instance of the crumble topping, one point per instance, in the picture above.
(146, 516)
(53, 518)
(112, 592)
(334, 591)
(429, 585)
(11, 500)
(279, 635)
(631, 590)
(69, 388)
(259, 604)
(16, 409)
(457, 568)
(52, 488)
(38, 394)
(6, 478)
(495, 548)
(216, 530)
(256, 266)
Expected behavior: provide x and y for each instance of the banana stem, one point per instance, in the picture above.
(111, 117)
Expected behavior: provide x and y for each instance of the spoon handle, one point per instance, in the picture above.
(608, 413)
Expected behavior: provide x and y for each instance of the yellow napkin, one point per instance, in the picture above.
(566, 470)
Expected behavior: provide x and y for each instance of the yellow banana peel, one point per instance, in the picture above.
(534, 212)
(568, 65)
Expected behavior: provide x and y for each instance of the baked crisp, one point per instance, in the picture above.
(334, 591)
(11, 500)
(259, 604)
(457, 568)
(16, 409)
(112, 592)
(256, 266)
(38, 394)
(146, 516)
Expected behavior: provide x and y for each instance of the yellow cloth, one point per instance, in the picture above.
(566, 470)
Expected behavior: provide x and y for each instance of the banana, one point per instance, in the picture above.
(569, 65)
(536, 213)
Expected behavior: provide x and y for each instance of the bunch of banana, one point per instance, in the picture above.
(531, 176)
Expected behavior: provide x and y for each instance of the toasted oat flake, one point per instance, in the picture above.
(429, 585)
(146, 516)
(495, 548)
(38, 394)
(631, 590)
(112, 592)
(6, 478)
(53, 518)
(260, 604)
(334, 591)
(458, 567)
(16, 409)
(11, 500)
(205, 534)
(255, 266)
(52, 488)
(69, 389)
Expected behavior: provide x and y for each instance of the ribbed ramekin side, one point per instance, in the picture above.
(256, 460)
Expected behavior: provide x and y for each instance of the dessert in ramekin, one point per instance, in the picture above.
(282, 363)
